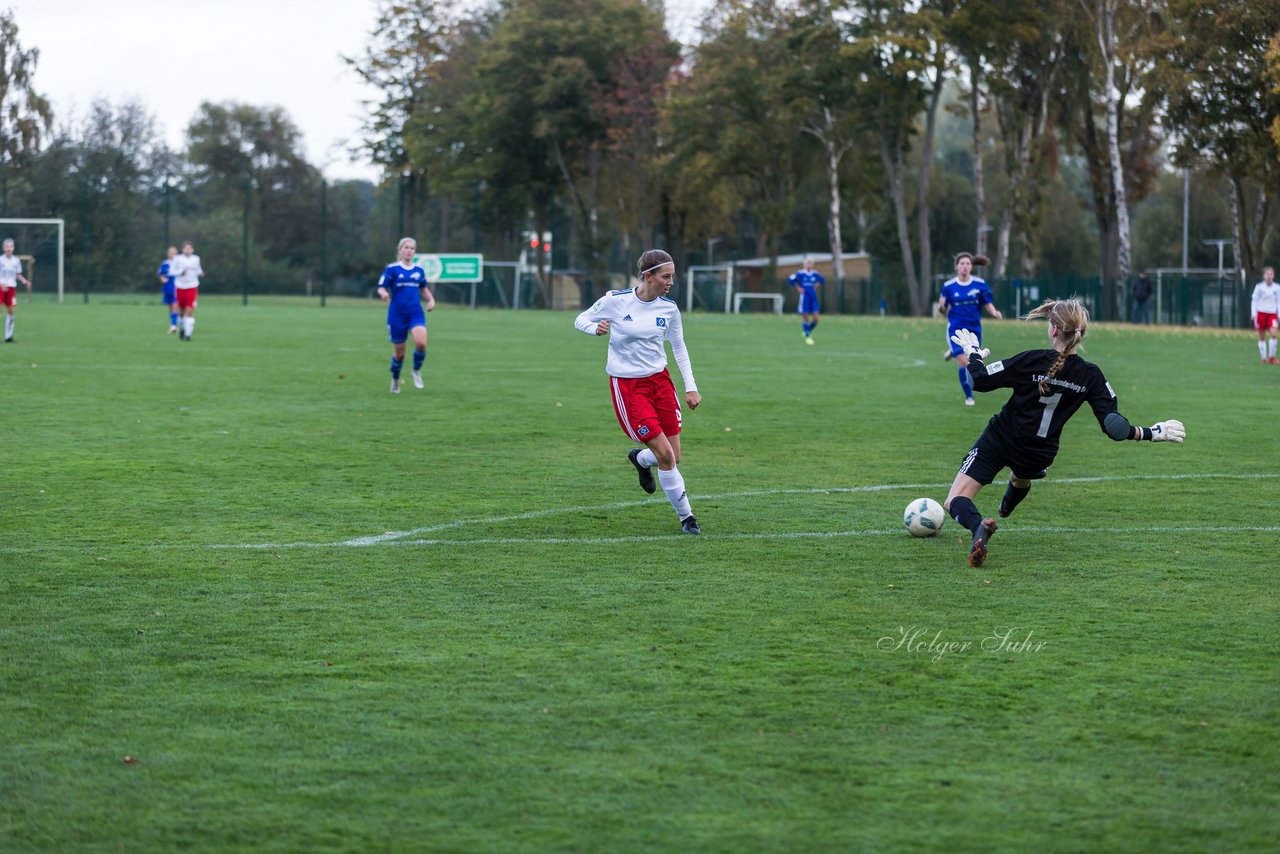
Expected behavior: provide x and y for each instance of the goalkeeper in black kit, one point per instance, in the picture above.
(1049, 386)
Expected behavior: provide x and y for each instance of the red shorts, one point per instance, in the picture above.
(646, 406)
(8, 296)
(1267, 321)
(187, 297)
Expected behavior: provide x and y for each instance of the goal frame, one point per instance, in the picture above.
(62, 244)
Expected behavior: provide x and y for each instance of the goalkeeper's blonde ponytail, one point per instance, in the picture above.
(1072, 321)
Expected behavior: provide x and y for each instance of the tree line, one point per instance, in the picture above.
(1052, 135)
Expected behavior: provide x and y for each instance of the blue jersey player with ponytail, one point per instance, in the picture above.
(963, 300)
(403, 286)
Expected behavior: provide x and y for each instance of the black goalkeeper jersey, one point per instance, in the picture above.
(1031, 421)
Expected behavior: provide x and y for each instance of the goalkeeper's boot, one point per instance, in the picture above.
(689, 525)
(978, 550)
(646, 474)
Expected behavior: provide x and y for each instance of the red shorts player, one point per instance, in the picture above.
(10, 275)
(639, 322)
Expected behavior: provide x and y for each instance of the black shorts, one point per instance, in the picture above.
(989, 455)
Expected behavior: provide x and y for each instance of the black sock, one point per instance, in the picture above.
(1013, 496)
(964, 511)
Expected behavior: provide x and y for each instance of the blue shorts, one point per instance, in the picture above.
(170, 294)
(951, 330)
(401, 320)
(808, 303)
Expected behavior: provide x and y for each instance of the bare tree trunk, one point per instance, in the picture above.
(979, 182)
(1106, 20)
(922, 187)
(999, 269)
(1017, 180)
(833, 213)
(893, 174)
(1239, 231)
(826, 135)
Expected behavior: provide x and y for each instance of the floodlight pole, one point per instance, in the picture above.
(84, 266)
(1186, 203)
(324, 238)
(244, 265)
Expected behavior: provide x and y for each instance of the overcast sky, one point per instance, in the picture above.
(173, 55)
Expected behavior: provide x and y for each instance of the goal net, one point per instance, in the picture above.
(709, 288)
(41, 244)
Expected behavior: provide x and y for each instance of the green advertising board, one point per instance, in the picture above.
(451, 268)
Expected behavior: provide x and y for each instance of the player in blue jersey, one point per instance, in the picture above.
(403, 287)
(170, 297)
(806, 281)
(963, 300)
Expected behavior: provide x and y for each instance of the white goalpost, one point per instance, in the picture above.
(52, 223)
(718, 277)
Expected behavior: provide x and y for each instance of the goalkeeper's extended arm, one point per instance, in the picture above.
(1118, 428)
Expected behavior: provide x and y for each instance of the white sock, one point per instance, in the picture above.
(1262, 348)
(8, 326)
(647, 457)
(673, 485)
(1273, 348)
(188, 325)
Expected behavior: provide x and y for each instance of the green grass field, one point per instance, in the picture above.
(319, 616)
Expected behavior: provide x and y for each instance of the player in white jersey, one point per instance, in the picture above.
(639, 322)
(186, 272)
(10, 275)
(1265, 311)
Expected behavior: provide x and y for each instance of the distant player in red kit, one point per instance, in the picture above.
(10, 275)
(1265, 310)
(639, 322)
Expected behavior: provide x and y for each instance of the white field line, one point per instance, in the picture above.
(413, 537)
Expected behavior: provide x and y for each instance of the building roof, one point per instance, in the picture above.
(796, 260)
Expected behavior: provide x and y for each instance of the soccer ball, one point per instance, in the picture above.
(924, 517)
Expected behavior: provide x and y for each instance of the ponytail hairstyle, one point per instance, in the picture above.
(652, 260)
(1072, 320)
(405, 241)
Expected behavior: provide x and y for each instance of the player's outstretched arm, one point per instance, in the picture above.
(1118, 428)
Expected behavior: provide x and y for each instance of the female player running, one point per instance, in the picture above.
(639, 321)
(402, 287)
(187, 272)
(1048, 387)
(962, 300)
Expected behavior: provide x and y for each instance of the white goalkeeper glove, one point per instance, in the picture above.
(968, 342)
(1168, 431)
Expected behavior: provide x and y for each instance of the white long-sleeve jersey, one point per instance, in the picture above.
(638, 331)
(1266, 299)
(186, 271)
(10, 270)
